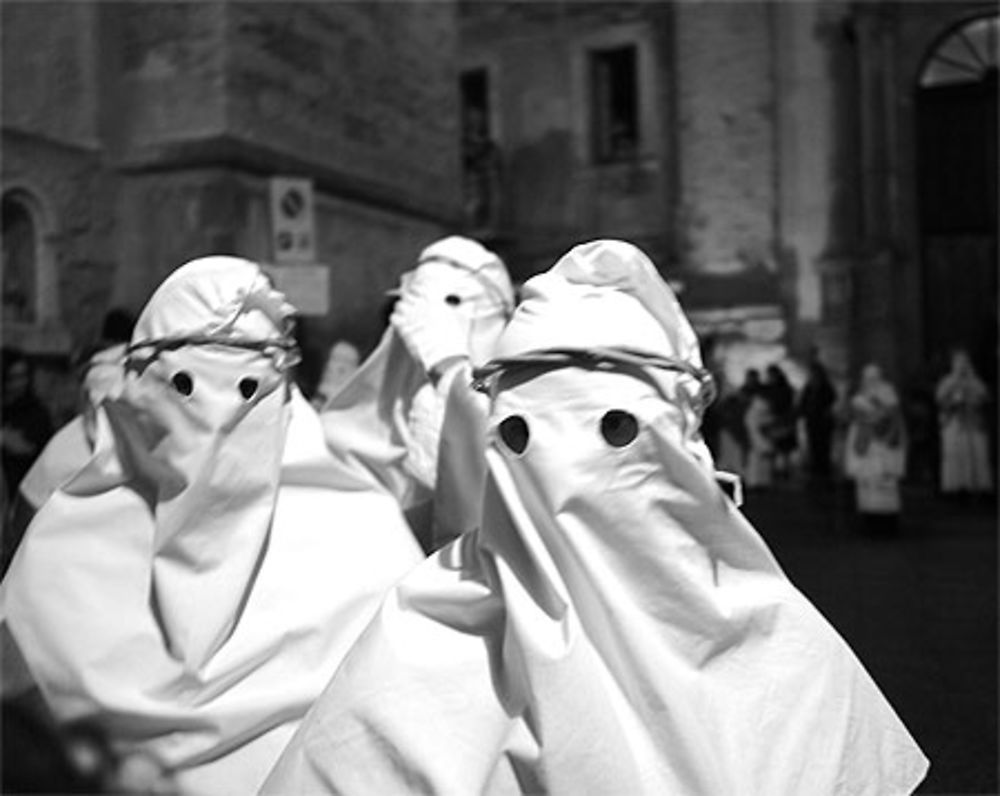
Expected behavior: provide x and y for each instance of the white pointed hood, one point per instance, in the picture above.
(388, 416)
(207, 391)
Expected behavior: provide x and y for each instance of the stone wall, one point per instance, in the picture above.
(71, 195)
(196, 212)
(727, 178)
(366, 249)
(167, 218)
(358, 97)
(364, 91)
(726, 156)
(555, 195)
(726, 159)
(48, 67)
(168, 72)
(148, 132)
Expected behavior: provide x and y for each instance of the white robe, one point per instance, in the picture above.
(615, 626)
(420, 438)
(875, 462)
(193, 587)
(965, 454)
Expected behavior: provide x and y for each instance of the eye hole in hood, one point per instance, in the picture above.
(619, 427)
(248, 387)
(514, 433)
(182, 382)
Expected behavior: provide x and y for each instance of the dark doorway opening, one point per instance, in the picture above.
(957, 168)
(615, 102)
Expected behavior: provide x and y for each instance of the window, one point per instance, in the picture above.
(615, 104)
(20, 266)
(480, 154)
(966, 56)
(475, 88)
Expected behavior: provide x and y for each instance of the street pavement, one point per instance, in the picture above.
(919, 608)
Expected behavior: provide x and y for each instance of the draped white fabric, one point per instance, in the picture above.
(615, 626)
(64, 454)
(367, 422)
(196, 583)
(388, 417)
(71, 446)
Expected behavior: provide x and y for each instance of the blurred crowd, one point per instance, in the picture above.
(770, 433)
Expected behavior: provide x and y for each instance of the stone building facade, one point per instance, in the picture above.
(137, 136)
(780, 161)
(772, 170)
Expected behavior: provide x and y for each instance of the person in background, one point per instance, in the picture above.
(26, 422)
(757, 419)
(116, 329)
(481, 170)
(408, 415)
(962, 398)
(875, 450)
(711, 422)
(213, 559)
(920, 414)
(71, 446)
(66, 452)
(782, 429)
(733, 441)
(341, 363)
(41, 755)
(815, 406)
(614, 625)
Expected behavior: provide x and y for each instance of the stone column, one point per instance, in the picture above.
(877, 268)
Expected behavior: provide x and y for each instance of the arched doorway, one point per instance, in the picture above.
(20, 260)
(956, 104)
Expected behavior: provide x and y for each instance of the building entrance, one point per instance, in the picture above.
(956, 103)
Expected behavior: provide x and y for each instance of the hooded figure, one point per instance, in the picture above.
(615, 625)
(875, 448)
(196, 583)
(69, 448)
(962, 398)
(341, 362)
(389, 417)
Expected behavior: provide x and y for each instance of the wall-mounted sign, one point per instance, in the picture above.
(307, 287)
(293, 233)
